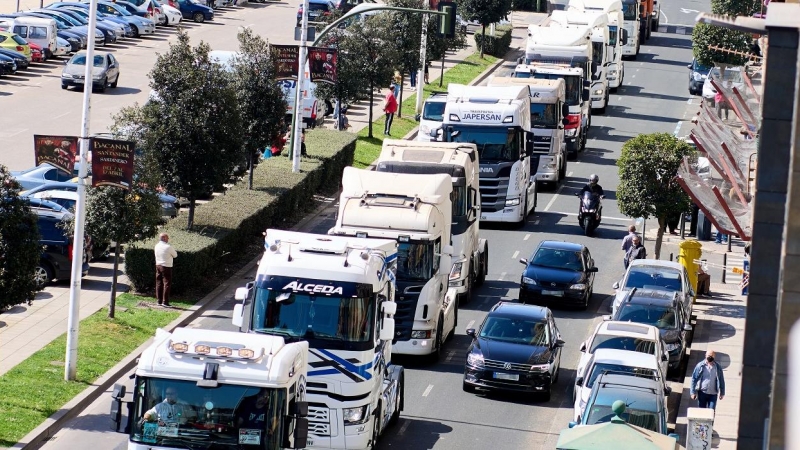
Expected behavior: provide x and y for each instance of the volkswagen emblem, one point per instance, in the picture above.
(552, 284)
(507, 366)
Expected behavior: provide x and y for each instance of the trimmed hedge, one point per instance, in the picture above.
(497, 45)
(229, 222)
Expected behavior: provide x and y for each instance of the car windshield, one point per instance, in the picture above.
(313, 317)
(657, 278)
(494, 143)
(600, 368)
(623, 343)
(557, 259)
(700, 68)
(730, 75)
(543, 115)
(180, 414)
(520, 331)
(662, 317)
(433, 111)
(571, 82)
(603, 414)
(415, 261)
(80, 60)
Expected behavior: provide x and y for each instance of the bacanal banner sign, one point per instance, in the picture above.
(112, 163)
(59, 151)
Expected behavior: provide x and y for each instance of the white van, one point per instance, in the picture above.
(42, 32)
(430, 121)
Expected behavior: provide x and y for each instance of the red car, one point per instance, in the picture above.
(36, 52)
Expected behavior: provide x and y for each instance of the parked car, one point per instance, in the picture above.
(625, 362)
(517, 348)
(316, 10)
(119, 25)
(150, 8)
(41, 174)
(663, 310)
(68, 29)
(109, 32)
(7, 65)
(732, 76)
(635, 337)
(560, 272)
(192, 9)
(140, 25)
(39, 31)
(697, 77)
(432, 117)
(655, 274)
(170, 14)
(63, 47)
(36, 53)
(18, 58)
(57, 249)
(105, 71)
(644, 399)
(12, 41)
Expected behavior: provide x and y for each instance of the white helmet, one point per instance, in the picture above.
(593, 178)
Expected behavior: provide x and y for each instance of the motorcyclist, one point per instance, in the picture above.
(593, 187)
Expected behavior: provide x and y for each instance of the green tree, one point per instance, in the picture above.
(260, 98)
(647, 187)
(705, 36)
(190, 131)
(121, 216)
(485, 12)
(20, 250)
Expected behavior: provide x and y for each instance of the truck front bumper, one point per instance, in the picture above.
(547, 177)
(416, 347)
(508, 214)
(354, 437)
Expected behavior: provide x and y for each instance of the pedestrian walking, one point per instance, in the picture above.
(637, 250)
(708, 382)
(721, 238)
(389, 108)
(413, 78)
(303, 143)
(164, 256)
(627, 243)
(720, 104)
(427, 64)
(398, 80)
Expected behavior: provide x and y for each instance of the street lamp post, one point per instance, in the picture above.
(298, 91)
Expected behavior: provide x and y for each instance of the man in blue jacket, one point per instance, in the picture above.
(708, 383)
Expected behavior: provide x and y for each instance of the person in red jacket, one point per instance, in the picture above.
(389, 107)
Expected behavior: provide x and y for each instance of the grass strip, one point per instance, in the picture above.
(35, 389)
(368, 148)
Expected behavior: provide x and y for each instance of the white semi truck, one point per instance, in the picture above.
(617, 35)
(548, 116)
(416, 212)
(460, 162)
(337, 294)
(197, 388)
(631, 11)
(498, 121)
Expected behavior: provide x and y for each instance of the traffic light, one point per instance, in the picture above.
(447, 23)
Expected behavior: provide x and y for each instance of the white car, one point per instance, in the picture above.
(615, 335)
(170, 15)
(621, 362)
(63, 47)
(430, 120)
(658, 275)
(731, 77)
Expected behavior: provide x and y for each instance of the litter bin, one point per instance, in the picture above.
(703, 227)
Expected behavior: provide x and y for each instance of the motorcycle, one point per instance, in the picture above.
(590, 212)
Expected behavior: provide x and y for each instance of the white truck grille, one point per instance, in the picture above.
(319, 421)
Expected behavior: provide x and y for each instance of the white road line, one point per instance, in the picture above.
(427, 390)
(470, 324)
(680, 30)
(621, 219)
(514, 256)
(553, 200)
(637, 70)
(689, 101)
(619, 99)
(666, 19)
(403, 428)
(527, 236)
(677, 129)
(536, 222)
(633, 76)
(569, 174)
(502, 275)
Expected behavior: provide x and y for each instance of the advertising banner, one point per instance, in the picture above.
(59, 151)
(112, 162)
(286, 61)
(322, 64)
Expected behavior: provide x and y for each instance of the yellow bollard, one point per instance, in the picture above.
(690, 251)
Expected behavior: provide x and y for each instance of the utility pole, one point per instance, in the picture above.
(298, 91)
(70, 366)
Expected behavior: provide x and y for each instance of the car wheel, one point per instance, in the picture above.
(199, 17)
(102, 87)
(63, 85)
(43, 274)
(114, 84)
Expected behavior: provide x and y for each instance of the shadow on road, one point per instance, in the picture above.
(413, 432)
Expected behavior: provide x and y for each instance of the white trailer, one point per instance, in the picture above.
(460, 162)
(337, 294)
(197, 388)
(498, 121)
(548, 116)
(416, 212)
(617, 35)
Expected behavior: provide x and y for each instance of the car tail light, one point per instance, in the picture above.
(574, 121)
(69, 252)
(20, 48)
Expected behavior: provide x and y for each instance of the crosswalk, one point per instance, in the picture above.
(675, 29)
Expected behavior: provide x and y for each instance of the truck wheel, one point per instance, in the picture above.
(562, 172)
(398, 404)
(437, 354)
(376, 427)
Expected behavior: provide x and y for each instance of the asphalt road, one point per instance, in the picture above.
(438, 413)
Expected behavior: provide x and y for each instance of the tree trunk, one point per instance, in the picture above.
(190, 222)
(371, 101)
(112, 303)
(662, 223)
(250, 175)
(483, 39)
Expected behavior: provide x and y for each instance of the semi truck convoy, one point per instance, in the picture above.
(497, 120)
(416, 212)
(337, 295)
(460, 162)
(617, 36)
(197, 388)
(632, 25)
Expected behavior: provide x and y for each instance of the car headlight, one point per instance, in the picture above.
(97, 77)
(531, 281)
(167, 205)
(578, 287)
(475, 359)
(598, 92)
(697, 76)
(512, 201)
(572, 132)
(541, 368)
(353, 416)
(673, 346)
(455, 272)
(424, 129)
(420, 334)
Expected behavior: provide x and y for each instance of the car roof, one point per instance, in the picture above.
(561, 245)
(55, 193)
(632, 390)
(52, 186)
(651, 296)
(519, 310)
(656, 263)
(625, 358)
(629, 329)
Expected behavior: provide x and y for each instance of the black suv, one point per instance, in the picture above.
(663, 310)
(56, 260)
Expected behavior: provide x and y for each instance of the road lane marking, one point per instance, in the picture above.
(666, 19)
(470, 324)
(569, 174)
(536, 222)
(677, 129)
(527, 236)
(514, 256)
(689, 101)
(502, 275)
(621, 219)
(427, 390)
(450, 356)
(403, 429)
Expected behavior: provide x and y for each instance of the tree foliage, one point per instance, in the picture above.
(20, 250)
(647, 187)
(260, 98)
(485, 12)
(191, 129)
(704, 36)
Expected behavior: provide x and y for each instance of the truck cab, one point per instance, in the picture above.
(617, 36)
(631, 23)
(460, 162)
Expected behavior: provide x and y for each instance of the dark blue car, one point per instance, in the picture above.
(558, 272)
(57, 250)
(191, 9)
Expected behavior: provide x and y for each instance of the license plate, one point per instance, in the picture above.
(553, 293)
(506, 376)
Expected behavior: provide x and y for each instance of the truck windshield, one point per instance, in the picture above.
(612, 35)
(494, 143)
(433, 111)
(313, 317)
(629, 11)
(597, 53)
(572, 84)
(180, 414)
(415, 261)
(459, 201)
(543, 115)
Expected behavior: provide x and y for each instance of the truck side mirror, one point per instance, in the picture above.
(300, 409)
(586, 95)
(387, 330)
(117, 403)
(624, 36)
(238, 315)
(241, 293)
(300, 432)
(565, 121)
(564, 109)
(389, 308)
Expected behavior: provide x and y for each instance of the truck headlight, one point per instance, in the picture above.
(578, 287)
(531, 281)
(612, 73)
(550, 166)
(354, 416)
(512, 201)
(455, 272)
(420, 334)
(598, 92)
(673, 346)
(572, 132)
